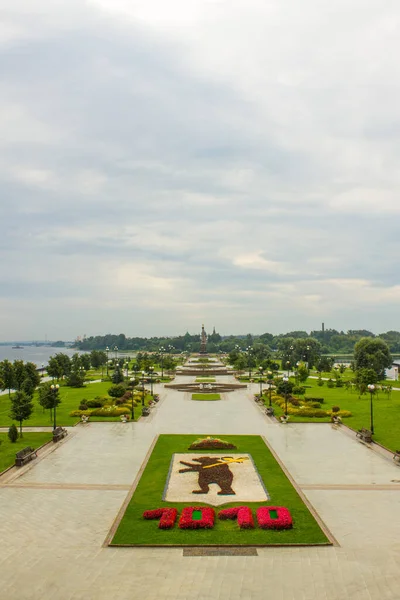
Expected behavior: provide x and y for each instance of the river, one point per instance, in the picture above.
(36, 354)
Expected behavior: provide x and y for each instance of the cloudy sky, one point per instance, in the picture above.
(165, 164)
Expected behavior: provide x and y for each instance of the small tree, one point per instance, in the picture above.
(117, 376)
(117, 391)
(12, 433)
(75, 379)
(21, 408)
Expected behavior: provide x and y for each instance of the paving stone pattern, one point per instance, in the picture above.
(56, 514)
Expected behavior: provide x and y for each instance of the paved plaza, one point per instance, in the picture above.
(57, 511)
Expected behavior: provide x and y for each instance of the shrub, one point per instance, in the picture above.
(109, 411)
(295, 401)
(117, 391)
(13, 433)
(330, 383)
(83, 406)
(339, 383)
(315, 404)
(95, 403)
(299, 389)
(335, 409)
(344, 413)
(312, 399)
(320, 382)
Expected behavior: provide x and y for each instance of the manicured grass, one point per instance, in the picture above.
(134, 530)
(205, 379)
(206, 397)
(9, 450)
(70, 400)
(386, 411)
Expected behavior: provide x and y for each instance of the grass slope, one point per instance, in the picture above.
(134, 530)
(8, 450)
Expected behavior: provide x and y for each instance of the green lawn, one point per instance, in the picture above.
(134, 530)
(8, 450)
(205, 379)
(206, 397)
(70, 400)
(386, 411)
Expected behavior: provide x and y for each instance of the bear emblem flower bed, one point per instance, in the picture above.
(206, 497)
(214, 478)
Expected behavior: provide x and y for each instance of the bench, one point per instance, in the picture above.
(396, 456)
(365, 435)
(59, 433)
(25, 455)
(85, 418)
(269, 411)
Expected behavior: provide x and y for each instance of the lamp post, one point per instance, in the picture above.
(285, 380)
(132, 380)
(249, 349)
(143, 374)
(288, 368)
(151, 371)
(54, 391)
(107, 351)
(371, 389)
(261, 371)
(162, 350)
(116, 354)
(270, 386)
(297, 373)
(126, 369)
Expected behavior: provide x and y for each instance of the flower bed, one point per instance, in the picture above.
(211, 444)
(266, 520)
(205, 522)
(242, 513)
(167, 516)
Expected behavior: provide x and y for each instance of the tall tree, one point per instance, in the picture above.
(21, 408)
(372, 353)
(19, 373)
(7, 375)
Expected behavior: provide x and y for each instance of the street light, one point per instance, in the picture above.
(162, 350)
(248, 350)
(297, 372)
(288, 368)
(132, 380)
(371, 388)
(285, 380)
(270, 386)
(143, 374)
(54, 391)
(116, 353)
(261, 370)
(107, 351)
(151, 370)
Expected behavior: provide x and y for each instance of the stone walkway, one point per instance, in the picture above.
(56, 513)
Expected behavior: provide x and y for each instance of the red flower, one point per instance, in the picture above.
(266, 521)
(167, 516)
(243, 514)
(206, 522)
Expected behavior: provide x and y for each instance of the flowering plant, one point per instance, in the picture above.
(266, 521)
(242, 513)
(206, 522)
(167, 516)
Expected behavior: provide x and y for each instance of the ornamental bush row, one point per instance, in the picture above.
(200, 517)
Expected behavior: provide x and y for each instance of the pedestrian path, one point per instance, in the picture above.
(56, 516)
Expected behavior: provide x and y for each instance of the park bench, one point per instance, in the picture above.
(59, 433)
(25, 455)
(396, 456)
(85, 418)
(269, 411)
(365, 435)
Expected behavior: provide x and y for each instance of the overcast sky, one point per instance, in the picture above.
(168, 164)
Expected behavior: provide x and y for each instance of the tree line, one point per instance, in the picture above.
(331, 341)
